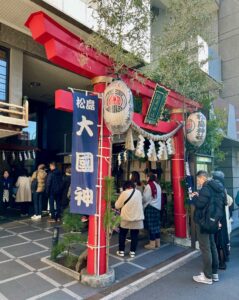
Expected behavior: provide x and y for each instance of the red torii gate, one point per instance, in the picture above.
(67, 50)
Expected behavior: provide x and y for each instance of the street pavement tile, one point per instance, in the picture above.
(46, 242)
(12, 224)
(58, 276)
(59, 295)
(83, 290)
(11, 269)
(24, 249)
(23, 228)
(25, 287)
(35, 260)
(157, 256)
(3, 257)
(11, 240)
(4, 233)
(114, 260)
(125, 270)
(36, 235)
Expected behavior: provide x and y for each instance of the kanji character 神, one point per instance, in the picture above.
(83, 195)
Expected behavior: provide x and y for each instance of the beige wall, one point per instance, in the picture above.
(15, 76)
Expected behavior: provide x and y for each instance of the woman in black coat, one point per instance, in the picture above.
(66, 182)
(221, 237)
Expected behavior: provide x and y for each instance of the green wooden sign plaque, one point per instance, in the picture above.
(156, 106)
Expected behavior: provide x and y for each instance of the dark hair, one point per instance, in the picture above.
(53, 163)
(202, 173)
(152, 177)
(23, 172)
(128, 184)
(135, 178)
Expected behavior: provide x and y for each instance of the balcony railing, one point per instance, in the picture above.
(14, 115)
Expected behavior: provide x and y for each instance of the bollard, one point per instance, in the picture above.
(55, 237)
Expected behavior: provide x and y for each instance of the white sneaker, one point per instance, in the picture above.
(34, 217)
(132, 254)
(202, 279)
(215, 277)
(38, 217)
(120, 253)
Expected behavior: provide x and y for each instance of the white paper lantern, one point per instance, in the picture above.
(196, 128)
(118, 107)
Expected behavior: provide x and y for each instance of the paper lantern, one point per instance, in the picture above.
(118, 107)
(196, 128)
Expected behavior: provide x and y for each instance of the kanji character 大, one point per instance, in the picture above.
(84, 124)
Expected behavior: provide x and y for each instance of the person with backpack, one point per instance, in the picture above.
(222, 236)
(209, 207)
(38, 187)
(53, 190)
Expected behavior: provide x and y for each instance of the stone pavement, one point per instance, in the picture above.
(23, 276)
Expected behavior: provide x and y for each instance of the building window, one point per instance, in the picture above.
(4, 65)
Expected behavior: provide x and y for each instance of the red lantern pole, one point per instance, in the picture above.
(178, 174)
(97, 261)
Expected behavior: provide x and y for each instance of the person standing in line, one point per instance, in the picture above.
(132, 216)
(7, 190)
(206, 241)
(152, 208)
(53, 190)
(24, 194)
(135, 178)
(38, 187)
(65, 195)
(222, 236)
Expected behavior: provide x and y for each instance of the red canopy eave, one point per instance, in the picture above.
(67, 50)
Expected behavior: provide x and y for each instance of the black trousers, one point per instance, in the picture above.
(134, 238)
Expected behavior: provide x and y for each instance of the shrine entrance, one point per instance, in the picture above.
(63, 48)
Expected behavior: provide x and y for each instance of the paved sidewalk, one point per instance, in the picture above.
(23, 276)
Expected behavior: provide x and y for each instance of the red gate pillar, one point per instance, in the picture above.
(178, 175)
(96, 262)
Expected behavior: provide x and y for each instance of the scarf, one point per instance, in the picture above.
(153, 189)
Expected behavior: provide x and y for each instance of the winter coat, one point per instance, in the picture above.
(132, 213)
(66, 182)
(24, 193)
(205, 194)
(54, 183)
(41, 180)
(148, 198)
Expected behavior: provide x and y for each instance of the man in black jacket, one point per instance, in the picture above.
(206, 241)
(53, 190)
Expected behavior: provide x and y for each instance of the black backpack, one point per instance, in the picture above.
(212, 213)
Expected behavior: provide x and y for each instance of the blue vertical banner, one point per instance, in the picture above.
(84, 154)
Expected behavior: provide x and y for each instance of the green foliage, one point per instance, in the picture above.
(176, 66)
(175, 60)
(111, 221)
(121, 24)
(72, 226)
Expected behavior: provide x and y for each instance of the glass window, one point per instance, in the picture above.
(4, 64)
